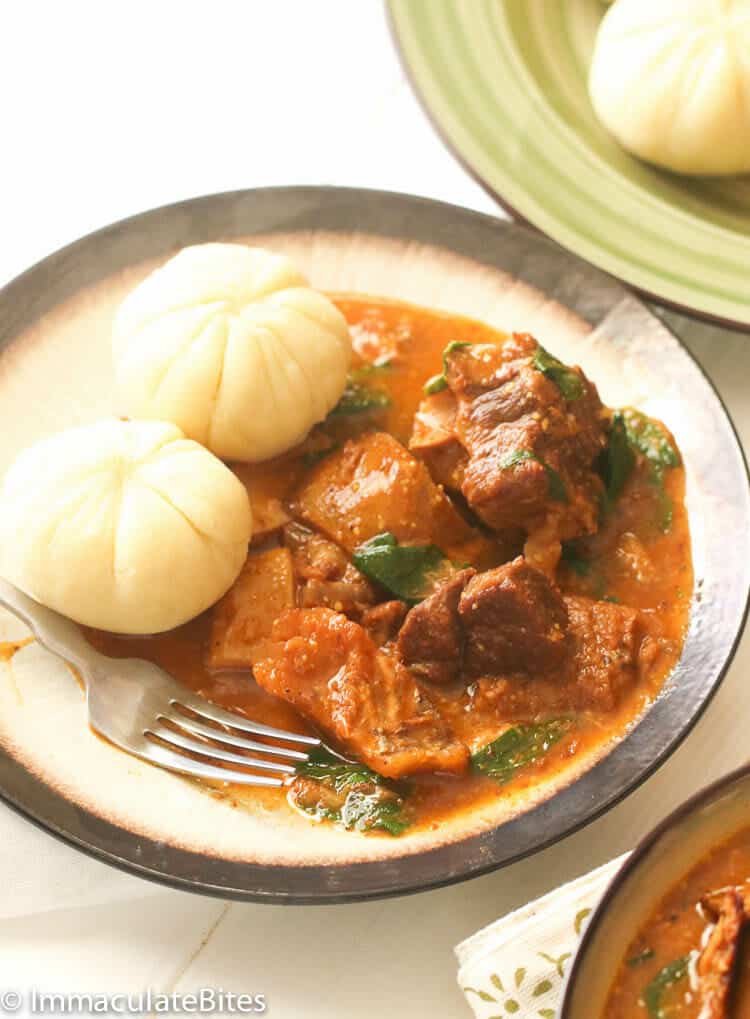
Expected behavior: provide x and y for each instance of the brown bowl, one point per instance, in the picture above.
(670, 851)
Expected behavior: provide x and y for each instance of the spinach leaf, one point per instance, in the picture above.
(651, 439)
(619, 459)
(314, 456)
(640, 957)
(373, 367)
(632, 433)
(359, 397)
(367, 811)
(666, 508)
(567, 381)
(556, 484)
(408, 571)
(518, 747)
(336, 772)
(574, 559)
(667, 977)
(361, 799)
(439, 382)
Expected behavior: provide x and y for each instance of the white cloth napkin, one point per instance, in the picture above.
(515, 967)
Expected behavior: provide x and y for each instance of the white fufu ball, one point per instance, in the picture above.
(123, 525)
(671, 81)
(232, 345)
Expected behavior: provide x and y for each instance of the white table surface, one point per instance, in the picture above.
(112, 108)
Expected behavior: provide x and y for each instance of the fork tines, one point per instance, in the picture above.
(195, 727)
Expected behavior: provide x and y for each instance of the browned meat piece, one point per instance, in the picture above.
(434, 439)
(327, 667)
(371, 485)
(608, 640)
(514, 620)
(711, 903)
(716, 964)
(326, 576)
(382, 621)
(604, 645)
(431, 641)
(529, 450)
(242, 621)
(503, 621)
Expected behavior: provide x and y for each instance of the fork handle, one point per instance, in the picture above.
(53, 631)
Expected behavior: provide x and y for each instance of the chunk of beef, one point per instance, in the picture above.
(431, 641)
(328, 668)
(242, 620)
(382, 621)
(434, 439)
(514, 620)
(529, 450)
(711, 903)
(507, 620)
(371, 485)
(602, 664)
(716, 963)
(325, 574)
(608, 640)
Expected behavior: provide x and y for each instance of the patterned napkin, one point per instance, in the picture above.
(515, 967)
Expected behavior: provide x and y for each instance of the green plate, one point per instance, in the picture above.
(505, 84)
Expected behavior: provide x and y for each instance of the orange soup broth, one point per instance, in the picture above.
(675, 930)
(406, 343)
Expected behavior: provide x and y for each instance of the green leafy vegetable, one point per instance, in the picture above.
(567, 381)
(373, 367)
(439, 382)
(518, 747)
(641, 957)
(619, 459)
(666, 508)
(556, 484)
(634, 433)
(666, 978)
(650, 438)
(336, 772)
(574, 559)
(366, 811)
(359, 396)
(314, 456)
(350, 794)
(408, 571)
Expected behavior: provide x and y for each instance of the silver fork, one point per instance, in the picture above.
(145, 711)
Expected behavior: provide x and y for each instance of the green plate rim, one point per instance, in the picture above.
(515, 208)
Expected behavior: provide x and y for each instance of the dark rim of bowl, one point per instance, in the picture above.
(736, 325)
(466, 857)
(693, 803)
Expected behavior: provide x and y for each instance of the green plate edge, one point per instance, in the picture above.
(504, 82)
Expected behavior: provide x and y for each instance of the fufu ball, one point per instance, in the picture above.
(232, 345)
(671, 81)
(123, 525)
